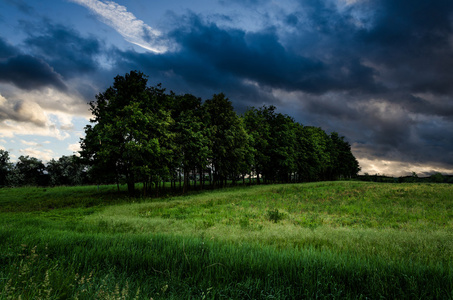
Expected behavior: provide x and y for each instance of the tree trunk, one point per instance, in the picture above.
(157, 184)
(194, 174)
(145, 186)
(201, 178)
(180, 179)
(210, 177)
(131, 187)
(186, 182)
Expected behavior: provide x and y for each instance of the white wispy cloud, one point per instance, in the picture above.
(11, 128)
(125, 23)
(30, 143)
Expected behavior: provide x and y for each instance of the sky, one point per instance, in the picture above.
(379, 72)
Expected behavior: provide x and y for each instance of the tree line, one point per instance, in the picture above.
(435, 177)
(30, 171)
(142, 134)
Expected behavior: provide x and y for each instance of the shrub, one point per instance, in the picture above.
(274, 215)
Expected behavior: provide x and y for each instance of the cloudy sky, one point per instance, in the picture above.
(379, 72)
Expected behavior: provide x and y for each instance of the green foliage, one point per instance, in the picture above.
(229, 141)
(344, 164)
(192, 144)
(437, 177)
(129, 138)
(286, 151)
(67, 170)
(28, 171)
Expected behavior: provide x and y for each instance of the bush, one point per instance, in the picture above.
(274, 215)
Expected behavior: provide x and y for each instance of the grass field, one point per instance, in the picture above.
(334, 240)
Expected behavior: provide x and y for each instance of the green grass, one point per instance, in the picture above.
(317, 240)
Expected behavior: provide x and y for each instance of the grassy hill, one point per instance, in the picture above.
(315, 240)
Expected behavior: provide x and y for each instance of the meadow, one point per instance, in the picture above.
(334, 240)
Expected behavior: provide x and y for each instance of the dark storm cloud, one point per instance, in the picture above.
(413, 40)
(211, 55)
(64, 49)
(410, 43)
(28, 72)
(381, 67)
(254, 56)
(439, 106)
(408, 23)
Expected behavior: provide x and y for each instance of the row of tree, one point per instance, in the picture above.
(143, 134)
(30, 171)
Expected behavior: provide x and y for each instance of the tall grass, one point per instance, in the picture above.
(323, 240)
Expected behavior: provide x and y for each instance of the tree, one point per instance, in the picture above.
(228, 138)
(129, 127)
(273, 137)
(28, 171)
(191, 137)
(320, 162)
(246, 165)
(67, 170)
(437, 177)
(5, 167)
(344, 164)
(259, 132)
(281, 147)
(101, 169)
(305, 158)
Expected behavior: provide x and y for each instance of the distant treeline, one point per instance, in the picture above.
(434, 178)
(30, 171)
(144, 134)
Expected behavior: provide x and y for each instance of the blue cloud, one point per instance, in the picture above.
(64, 49)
